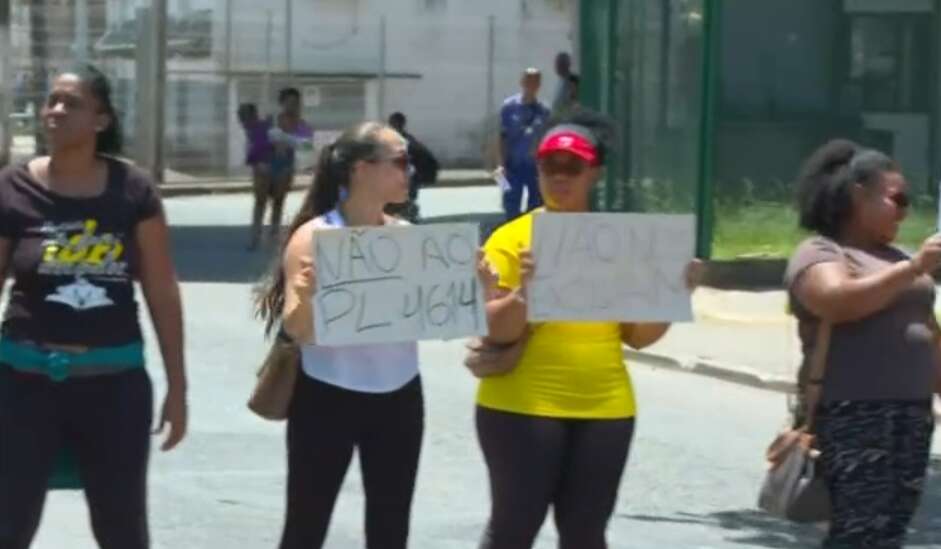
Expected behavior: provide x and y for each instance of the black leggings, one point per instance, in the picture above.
(325, 424)
(105, 421)
(574, 465)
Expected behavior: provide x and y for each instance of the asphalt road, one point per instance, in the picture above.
(691, 481)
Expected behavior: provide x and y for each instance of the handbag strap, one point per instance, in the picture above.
(813, 388)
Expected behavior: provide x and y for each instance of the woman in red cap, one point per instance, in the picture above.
(550, 437)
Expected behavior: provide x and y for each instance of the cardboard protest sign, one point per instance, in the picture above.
(399, 283)
(611, 267)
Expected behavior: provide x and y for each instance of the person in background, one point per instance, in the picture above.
(289, 135)
(573, 103)
(874, 425)
(563, 91)
(556, 430)
(424, 169)
(522, 117)
(258, 154)
(77, 229)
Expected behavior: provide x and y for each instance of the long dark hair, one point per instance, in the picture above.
(334, 167)
(109, 140)
(824, 199)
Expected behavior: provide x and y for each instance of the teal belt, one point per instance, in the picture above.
(61, 365)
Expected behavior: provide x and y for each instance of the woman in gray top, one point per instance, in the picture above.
(875, 423)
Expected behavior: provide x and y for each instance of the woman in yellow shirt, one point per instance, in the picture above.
(557, 429)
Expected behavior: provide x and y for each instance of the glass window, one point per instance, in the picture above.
(888, 55)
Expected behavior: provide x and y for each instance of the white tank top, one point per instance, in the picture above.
(373, 368)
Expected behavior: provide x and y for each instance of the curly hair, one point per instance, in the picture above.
(824, 200)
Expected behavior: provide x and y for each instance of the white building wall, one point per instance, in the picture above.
(436, 55)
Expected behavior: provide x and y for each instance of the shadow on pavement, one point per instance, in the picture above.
(217, 254)
(755, 528)
(209, 253)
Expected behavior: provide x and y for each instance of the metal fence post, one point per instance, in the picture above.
(151, 88)
(491, 57)
(81, 30)
(39, 51)
(143, 87)
(705, 215)
(227, 64)
(382, 67)
(159, 46)
(266, 80)
(288, 37)
(6, 91)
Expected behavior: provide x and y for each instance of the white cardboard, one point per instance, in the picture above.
(393, 284)
(611, 267)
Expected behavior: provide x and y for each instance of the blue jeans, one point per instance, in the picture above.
(513, 197)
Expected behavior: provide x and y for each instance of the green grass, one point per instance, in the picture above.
(769, 230)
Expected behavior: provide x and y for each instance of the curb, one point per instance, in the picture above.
(740, 320)
(170, 190)
(740, 375)
(173, 190)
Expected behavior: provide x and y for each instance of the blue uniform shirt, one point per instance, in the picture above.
(519, 125)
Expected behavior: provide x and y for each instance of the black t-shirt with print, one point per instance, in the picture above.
(74, 260)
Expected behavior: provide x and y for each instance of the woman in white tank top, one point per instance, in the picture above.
(367, 397)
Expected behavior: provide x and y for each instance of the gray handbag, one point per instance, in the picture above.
(794, 488)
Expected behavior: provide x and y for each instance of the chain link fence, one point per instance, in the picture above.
(446, 65)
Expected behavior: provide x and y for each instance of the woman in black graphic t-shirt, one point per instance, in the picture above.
(76, 229)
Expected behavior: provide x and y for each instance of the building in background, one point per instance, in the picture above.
(718, 102)
(446, 63)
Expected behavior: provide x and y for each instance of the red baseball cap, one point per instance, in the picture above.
(570, 139)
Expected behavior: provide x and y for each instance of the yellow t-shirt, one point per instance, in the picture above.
(568, 369)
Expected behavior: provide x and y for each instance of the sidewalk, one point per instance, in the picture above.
(178, 184)
(744, 337)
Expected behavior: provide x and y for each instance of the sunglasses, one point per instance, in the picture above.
(901, 200)
(569, 166)
(402, 162)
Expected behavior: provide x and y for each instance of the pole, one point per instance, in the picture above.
(382, 67)
(266, 85)
(39, 51)
(159, 66)
(704, 194)
(491, 55)
(227, 54)
(289, 36)
(227, 65)
(6, 90)
(81, 30)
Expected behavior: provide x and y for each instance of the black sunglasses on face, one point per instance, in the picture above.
(402, 161)
(901, 200)
(571, 167)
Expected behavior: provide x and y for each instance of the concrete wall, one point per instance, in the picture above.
(436, 55)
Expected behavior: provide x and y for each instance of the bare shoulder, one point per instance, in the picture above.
(38, 167)
(393, 220)
(301, 241)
